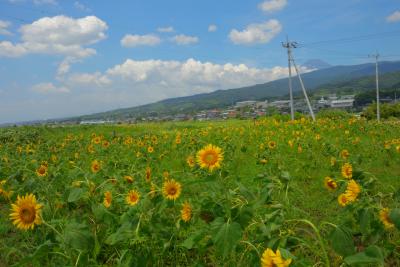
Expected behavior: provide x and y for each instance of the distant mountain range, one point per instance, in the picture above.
(316, 64)
(326, 76)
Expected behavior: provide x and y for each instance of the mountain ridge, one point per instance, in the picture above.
(223, 98)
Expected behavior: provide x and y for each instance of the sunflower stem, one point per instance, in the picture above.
(321, 242)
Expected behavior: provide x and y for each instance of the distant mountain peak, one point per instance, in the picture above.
(316, 64)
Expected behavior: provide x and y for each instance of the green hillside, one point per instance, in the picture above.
(328, 79)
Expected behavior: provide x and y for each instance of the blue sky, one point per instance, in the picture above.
(65, 58)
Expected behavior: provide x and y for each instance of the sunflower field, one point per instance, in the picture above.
(269, 192)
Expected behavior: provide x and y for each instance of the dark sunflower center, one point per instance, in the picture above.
(28, 214)
(172, 190)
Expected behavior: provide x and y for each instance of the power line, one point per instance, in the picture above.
(352, 39)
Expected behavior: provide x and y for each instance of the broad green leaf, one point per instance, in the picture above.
(225, 236)
(342, 241)
(372, 254)
(123, 233)
(78, 236)
(192, 240)
(75, 194)
(40, 251)
(395, 217)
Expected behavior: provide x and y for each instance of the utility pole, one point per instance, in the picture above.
(289, 45)
(304, 91)
(378, 112)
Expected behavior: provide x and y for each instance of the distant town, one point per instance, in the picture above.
(252, 109)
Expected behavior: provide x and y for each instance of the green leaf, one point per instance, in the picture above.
(395, 217)
(365, 221)
(75, 194)
(225, 236)
(78, 236)
(342, 241)
(371, 254)
(192, 240)
(41, 250)
(123, 233)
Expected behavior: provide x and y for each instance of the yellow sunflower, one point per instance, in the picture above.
(25, 213)
(171, 189)
(153, 189)
(333, 161)
(343, 200)
(353, 190)
(330, 184)
(90, 149)
(385, 219)
(190, 161)
(210, 157)
(186, 212)
(96, 140)
(132, 198)
(105, 144)
(107, 199)
(345, 154)
(95, 167)
(347, 171)
(148, 174)
(273, 259)
(272, 144)
(150, 149)
(128, 178)
(42, 171)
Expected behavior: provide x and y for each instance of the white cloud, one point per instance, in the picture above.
(151, 80)
(130, 40)
(58, 35)
(394, 17)
(36, 2)
(8, 49)
(182, 39)
(4, 27)
(49, 88)
(45, 2)
(256, 33)
(78, 5)
(166, 29)
(88, 79)
(212, 28)
(272, 5)
(131, 83)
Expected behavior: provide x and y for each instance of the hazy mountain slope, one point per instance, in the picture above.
(222, 98)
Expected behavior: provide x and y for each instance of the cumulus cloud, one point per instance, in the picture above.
(256, 33)
(212, 28)
(78, 5)
(45, 2)
(36, 2)
(57, 35)
(96, 79)
(151, 80)
(272, 5)
(4, 27)
(394, 17)
(166, 29)
(130, 40)
(182, 39)
(49, 88)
